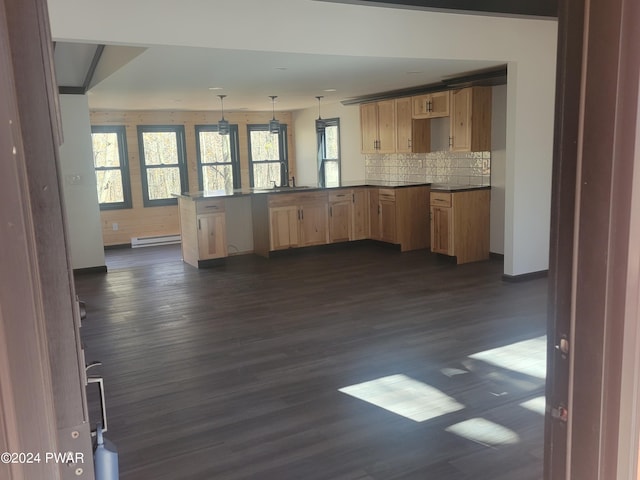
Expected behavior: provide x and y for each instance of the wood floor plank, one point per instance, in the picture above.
(235, 372)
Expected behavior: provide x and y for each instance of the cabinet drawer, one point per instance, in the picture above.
(387, 194)
(282, 200)
(210, 206)
(439, 199)
(340, 196)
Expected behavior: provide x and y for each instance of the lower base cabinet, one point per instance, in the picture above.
(202, 229)
(460, 224)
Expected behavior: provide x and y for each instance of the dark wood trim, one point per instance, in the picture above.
(71, 90)
(535, 8)
(88, 270)
(92, 68)
(118, 246)
(525, 276)
(486, 77)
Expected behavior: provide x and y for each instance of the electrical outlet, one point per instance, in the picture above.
(114, 226)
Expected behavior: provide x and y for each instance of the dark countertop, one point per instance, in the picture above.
(257, 191)
(440, 187)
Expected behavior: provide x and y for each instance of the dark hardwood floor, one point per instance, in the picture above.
(235, 372)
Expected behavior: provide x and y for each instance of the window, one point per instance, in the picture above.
(162, 163)
(111, 166)
(268, 162)
(218, 166)
(328, 152)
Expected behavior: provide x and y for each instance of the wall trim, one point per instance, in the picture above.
(497, 256)
(84, 271)
(525, 276)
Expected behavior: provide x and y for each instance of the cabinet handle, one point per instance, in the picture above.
(298, 214)
(408, 143)
(353, 198)
(451, 141)
(331, 211)
(199, 225)
(378, 209)
(302, 213)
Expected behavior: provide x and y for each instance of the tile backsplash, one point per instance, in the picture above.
(456, 168)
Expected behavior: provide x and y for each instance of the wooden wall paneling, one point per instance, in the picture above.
(140, 221)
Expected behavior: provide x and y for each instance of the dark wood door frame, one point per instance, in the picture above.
(39, 319)
(594, 266)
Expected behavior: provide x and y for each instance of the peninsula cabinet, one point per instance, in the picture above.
(412, 135)
(348, 215)
(460, 224)
(202, 230)
(282, 221)
(378, 126)
(470, 120)
(400, 216)
(431, 105)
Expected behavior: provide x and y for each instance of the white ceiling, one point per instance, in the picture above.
(171, 77)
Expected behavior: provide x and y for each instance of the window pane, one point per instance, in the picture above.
(264, 174)
(160, 148)
(109, 186)
(331, 139)
(264, 146)
(162, 182)
(217, 177)
(106, 152)
(215, 148)
(331, 174)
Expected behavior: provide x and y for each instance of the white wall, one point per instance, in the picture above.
(528, 46)
(498, 167)
(352, 161)
(79, 184)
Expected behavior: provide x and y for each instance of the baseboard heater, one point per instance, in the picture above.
(137, 242)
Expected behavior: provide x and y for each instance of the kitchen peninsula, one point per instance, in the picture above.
(292, 217)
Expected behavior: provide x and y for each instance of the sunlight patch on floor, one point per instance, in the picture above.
(404, 396)
(528, 357)
(536, 405)
(485, 432)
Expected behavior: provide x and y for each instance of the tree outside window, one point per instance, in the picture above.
(329, 152)
(111, 166)
(218, 166)
(268, 160)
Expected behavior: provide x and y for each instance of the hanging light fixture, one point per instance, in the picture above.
(320, 123)
(274, 125)
(223, 125)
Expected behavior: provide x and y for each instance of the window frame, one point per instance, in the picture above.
(234, 146)
(182, 163)
(321, 146)
(123, 153)
(282, 148)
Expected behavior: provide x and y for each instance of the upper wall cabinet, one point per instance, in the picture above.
(471, 119)
(378, 126)
(412, 135)
(431, 105)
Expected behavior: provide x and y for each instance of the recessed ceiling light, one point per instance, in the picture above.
(281, 68)
(330, 90)
(413, 73)
(216, 88)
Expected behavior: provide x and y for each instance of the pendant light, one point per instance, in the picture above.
(223, 125)
(274, 125)
(320, 123)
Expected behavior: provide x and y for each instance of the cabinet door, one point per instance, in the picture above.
(460, 120)
(386, 126)
(284, 227)
(403, 125)
(360, 215)
(369, 127)
(374, 213)
(212, 236)
(340, 221)
(387, 221)
(314, 224)
(441, 230)
(439, 104)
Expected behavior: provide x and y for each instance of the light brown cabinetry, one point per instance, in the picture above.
(400, 216)
(431, 105)
(202, 229)
(348, 215)
(412, 135)
(460, 224)
(290, 220)
(470, 119)
(378, 126)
